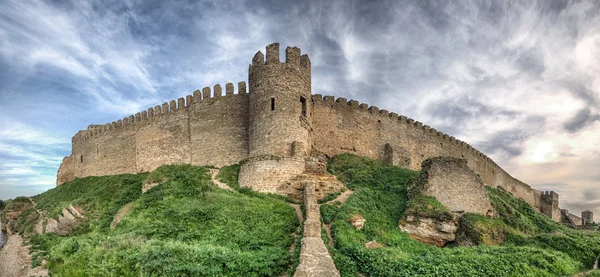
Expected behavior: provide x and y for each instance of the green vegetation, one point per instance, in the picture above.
(427, 207)
(594, 273)
(185, 226)
(329, 197)
(229, 176)
(530, 243)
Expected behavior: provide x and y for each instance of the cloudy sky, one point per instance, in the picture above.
(519, 80)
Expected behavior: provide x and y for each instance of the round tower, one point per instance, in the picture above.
(279, 131)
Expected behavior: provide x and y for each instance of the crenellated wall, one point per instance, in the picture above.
(341, 126)
(202, 129)
(271, 130)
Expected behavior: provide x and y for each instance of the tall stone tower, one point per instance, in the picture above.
(280, 106)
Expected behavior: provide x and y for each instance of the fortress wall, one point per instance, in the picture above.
(102, 151)
(201, 129)
(163, 137)
(219, 128)
(341, 126)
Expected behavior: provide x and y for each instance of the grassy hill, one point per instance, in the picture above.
(186, 226)
(530, 243)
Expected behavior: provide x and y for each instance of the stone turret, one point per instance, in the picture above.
(279, 131)
(549, 205)
(587, 217)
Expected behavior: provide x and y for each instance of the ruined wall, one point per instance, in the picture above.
(570, 219)
(453, 184)
(341, 126)
(201, 129)
(66, 171)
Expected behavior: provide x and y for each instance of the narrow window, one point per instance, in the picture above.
(303, 101)
(272, 104)
(81, 158)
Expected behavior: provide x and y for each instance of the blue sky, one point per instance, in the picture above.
(519, 80)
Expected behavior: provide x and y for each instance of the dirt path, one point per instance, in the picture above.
(342, 197)
(121, 214)
(15, 260)
(213, 177)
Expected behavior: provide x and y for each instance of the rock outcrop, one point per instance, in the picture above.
(358, 221)
(430, 230)
(66, 222)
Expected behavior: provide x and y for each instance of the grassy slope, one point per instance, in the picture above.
(535, 245)
(185, 226)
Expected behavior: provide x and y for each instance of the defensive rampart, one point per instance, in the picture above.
(201, 129)
(347, 126)
(272, 131)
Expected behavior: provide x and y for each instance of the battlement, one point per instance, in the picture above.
(549, 195)
(420, 135)
(266, 124)
(292, 57)
(171, 107)
(343, 103)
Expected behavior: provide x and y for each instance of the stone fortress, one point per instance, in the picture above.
(277, 130)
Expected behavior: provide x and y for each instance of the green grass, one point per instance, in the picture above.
(329, 197)
(229, 176)
(100, 197)
(531, 248)
(427, 207)
(186, 226)
(594, 273)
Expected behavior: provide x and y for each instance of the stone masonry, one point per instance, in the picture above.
(314, 256)
(454, 185)
(272, 129)
(587, 217)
